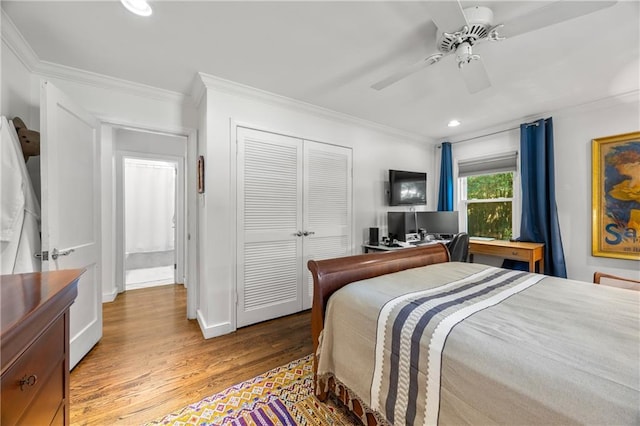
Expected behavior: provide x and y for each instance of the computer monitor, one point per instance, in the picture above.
(399, 224)
(442, 223)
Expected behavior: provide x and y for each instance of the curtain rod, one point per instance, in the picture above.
(535, 123)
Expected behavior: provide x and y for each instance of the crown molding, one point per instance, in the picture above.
(13, 40)
(632, 97)
(198, 88)
(62, 72)
(205, 82)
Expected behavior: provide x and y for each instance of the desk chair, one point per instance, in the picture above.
(615, 281)
(459, 247)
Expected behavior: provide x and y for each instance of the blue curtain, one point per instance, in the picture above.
(445, 196)
(539, 210)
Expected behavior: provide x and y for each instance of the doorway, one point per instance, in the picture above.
(150, 208)
(150, 213)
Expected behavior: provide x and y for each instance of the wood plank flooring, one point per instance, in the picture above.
(152, 361)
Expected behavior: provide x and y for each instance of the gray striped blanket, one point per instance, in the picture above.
(412, 330)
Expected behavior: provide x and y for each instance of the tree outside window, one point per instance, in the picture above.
(488, 200)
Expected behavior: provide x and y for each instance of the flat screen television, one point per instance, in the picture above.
(407, 188)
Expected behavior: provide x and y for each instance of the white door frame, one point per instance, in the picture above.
(121, 225)
(191, 277)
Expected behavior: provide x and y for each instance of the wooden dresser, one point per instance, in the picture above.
(34, 347)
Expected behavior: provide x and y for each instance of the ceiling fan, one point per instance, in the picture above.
(460, 30)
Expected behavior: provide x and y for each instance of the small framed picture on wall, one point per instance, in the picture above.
(201, 174)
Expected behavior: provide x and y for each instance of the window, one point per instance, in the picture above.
(487, 189)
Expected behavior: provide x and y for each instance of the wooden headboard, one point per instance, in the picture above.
(332, 274)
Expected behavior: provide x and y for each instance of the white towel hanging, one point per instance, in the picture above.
(20, 212)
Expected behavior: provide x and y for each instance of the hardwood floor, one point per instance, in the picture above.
(152, 361)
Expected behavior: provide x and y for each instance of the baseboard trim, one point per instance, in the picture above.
(109, 297)
(215, 330)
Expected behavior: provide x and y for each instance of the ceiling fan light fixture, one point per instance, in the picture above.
(453, 123)
(464, 54)
(139, 7)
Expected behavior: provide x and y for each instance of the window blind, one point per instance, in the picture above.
(507, 162)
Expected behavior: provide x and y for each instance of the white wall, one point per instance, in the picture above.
(375, 151)
(574, 128)
(16, 88)
(18, 101)
(147, 142)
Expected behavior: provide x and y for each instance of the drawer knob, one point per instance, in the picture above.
(515, 253)
(28, 381)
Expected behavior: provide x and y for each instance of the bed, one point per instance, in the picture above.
(409, 337)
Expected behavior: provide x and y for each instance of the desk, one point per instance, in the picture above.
(373, 248)
(529, 252)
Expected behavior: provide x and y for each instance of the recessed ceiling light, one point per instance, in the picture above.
(139, 7)
(453, 123)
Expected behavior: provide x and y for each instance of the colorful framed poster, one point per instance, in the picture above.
(616, 196)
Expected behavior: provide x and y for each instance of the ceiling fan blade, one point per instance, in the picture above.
(399, 75)
(550, 14)
(447, 15)
(475, 76)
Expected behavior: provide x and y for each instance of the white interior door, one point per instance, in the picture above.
(327, 206)
(269, 191)
(71, 210)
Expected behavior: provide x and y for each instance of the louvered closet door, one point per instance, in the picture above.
(327, 206)
(270, 215)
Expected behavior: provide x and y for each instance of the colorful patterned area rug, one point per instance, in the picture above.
(282, 396)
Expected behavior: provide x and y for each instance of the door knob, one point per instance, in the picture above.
(307, 233)
(55, 253)
(298, 234)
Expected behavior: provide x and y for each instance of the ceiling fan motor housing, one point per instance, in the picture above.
(480, 21)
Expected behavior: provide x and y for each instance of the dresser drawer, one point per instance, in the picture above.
(47, 403)
(58, 420)
(40, 370)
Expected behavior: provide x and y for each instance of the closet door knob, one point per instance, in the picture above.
(298, 234)
(307, 233)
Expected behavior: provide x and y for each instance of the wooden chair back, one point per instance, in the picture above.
(616, 281)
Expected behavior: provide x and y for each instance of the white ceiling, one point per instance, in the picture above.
(330, 53)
